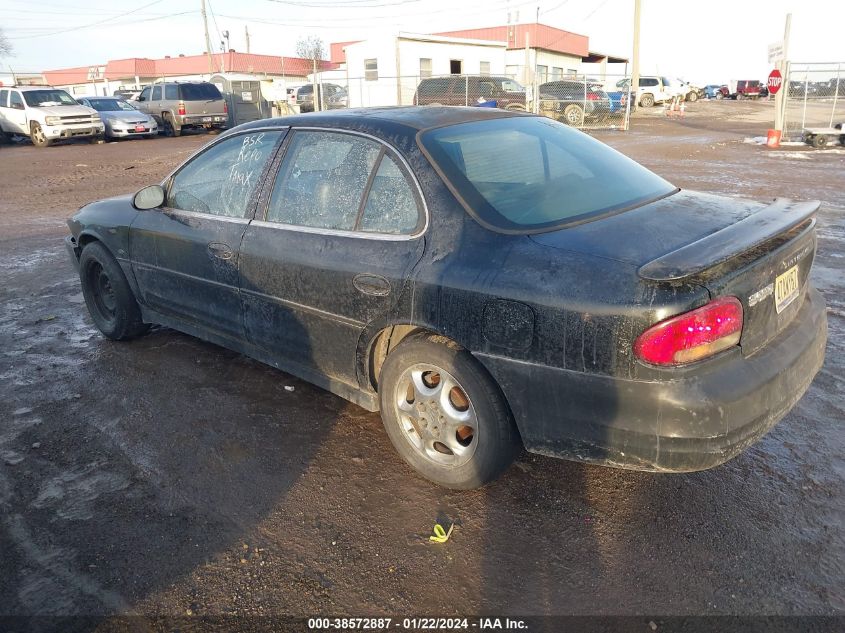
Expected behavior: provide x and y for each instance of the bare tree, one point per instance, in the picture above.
(5, 45)
(312, 47)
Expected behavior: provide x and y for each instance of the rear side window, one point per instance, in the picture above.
(648, 82)
(171, 92)
(553, 174)
(4, 98)
(156, 93)
(222, 179)
(199, 92)
(345, 182)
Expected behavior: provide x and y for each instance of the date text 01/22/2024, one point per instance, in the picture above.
(415, 624)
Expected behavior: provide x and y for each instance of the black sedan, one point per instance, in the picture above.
(486, 279)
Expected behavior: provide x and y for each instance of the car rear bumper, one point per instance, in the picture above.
(695, 422)
(215, 120)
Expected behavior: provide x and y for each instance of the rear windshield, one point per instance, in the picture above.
(199, 92)
(527, 174)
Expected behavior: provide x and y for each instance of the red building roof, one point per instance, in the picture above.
(337, 54)
(539, 36)
(232, 61)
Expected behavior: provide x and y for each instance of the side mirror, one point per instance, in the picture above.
(149, 198)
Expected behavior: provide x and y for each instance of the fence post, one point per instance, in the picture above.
(806, 89)
(835, 92)
(466, 90)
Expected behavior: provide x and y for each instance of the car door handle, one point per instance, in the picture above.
(375, 285)
(220, 250)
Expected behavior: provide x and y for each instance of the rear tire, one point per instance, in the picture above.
(719, 96)
(169, 128)
(819, 141)
(647, 101)
(461, 438)
(573, 115)
(692, 97)
(740, 96)
(107, 294)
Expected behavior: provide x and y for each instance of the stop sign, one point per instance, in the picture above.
(775, 81)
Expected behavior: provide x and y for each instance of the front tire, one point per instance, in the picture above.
(444, 414)
(37, 136)
(647, 101)
(107, 294)
(692, 97)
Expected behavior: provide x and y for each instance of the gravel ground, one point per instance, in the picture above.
(168, 476)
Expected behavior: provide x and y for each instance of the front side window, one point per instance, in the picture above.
(222, 180)
(552, 174)
(15, 101)
(509, 85)
(370, 69)
(38, 98)
(4, 98)
(331, 180)
(145, 94)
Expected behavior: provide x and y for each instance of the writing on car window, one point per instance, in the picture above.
(221, 180)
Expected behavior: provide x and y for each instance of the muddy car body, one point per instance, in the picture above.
(567, 300)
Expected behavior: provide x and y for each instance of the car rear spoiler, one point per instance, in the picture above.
(781, 216)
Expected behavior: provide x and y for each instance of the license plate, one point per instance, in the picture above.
(786, 289)
(139, 128)
(206, 119)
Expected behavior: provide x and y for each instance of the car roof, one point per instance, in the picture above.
(28, 88)
(412, 118)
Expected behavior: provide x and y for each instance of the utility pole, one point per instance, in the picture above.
(783, 66)
(207, 39)
(635, 64)
(246, 33)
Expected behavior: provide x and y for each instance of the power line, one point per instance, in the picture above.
(86, 26)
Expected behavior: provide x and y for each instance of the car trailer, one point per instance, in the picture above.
(818, 137)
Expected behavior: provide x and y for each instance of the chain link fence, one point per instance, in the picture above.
(580, 101)
(815, 96)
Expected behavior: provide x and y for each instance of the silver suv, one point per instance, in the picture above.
(177, 106)
(46, 115)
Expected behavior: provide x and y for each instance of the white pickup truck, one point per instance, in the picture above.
(45, 115)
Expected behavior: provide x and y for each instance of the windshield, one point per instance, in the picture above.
(35, 98)
(527, 174)
(110, 105)
(199, 92)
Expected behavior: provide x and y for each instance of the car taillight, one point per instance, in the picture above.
(225, 107)
(181, 108)
(592, 96)
(693, 335)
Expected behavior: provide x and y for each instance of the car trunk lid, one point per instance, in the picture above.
(761, 254)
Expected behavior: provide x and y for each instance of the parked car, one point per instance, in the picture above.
(121, 119)
(688, 91)
(338, 100)
(574, 102)
(462, 90)
(46, 115)
(305, 95)
(652, 90)
(714, 91)
(486, 279)
(740, 89)
(127, 94)
(178, 106)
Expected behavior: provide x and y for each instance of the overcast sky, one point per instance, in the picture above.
(705, 41)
